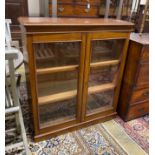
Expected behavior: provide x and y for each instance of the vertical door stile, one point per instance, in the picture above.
(81, 76)
(33, 82)
(86, 75)
(121, 70)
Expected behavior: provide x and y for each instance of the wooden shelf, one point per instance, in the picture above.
(70, 94)
(75, 67)
(57, 69)
(57, 97)
(98, 88)
(104, 63)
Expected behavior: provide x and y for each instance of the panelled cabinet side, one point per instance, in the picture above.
(129, 77)
(134, 99)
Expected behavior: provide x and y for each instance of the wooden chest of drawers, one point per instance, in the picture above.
(134, 97)
(76, 8)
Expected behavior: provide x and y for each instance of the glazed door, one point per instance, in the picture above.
(59, 65)
(105, 56)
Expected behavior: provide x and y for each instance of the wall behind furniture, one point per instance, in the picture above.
(33, 8)
(143, 2)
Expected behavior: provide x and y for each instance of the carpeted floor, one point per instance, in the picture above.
(100, 139)
(114, 137)
(138, 130)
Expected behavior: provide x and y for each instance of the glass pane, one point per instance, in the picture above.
(102, 75)
(57, 54)
(103, 50)
(58, 82)
(98, 101)
(58, 112)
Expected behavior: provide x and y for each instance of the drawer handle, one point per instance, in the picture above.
(61, 9)
(146, 94)
(141, 110)
(87, 7)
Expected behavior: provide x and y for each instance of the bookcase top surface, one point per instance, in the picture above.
(43, 21)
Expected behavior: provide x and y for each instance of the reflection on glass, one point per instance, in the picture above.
(98, 101)
(58, 112)
(106, 49)
(102, 75)
(56, 54)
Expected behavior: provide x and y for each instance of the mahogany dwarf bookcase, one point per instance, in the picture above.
(74, 69)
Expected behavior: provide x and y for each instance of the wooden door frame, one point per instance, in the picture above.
(54, 37)
(102, 36)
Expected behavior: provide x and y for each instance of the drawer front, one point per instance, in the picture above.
(13, 1)
(75, 10)
(63, 10)
(82, 10)
(76, 1)
(92, 2)
(139, 96)
(65, 1)
(66, 10)
(142, 79)
(138, 110)
(145, 53)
